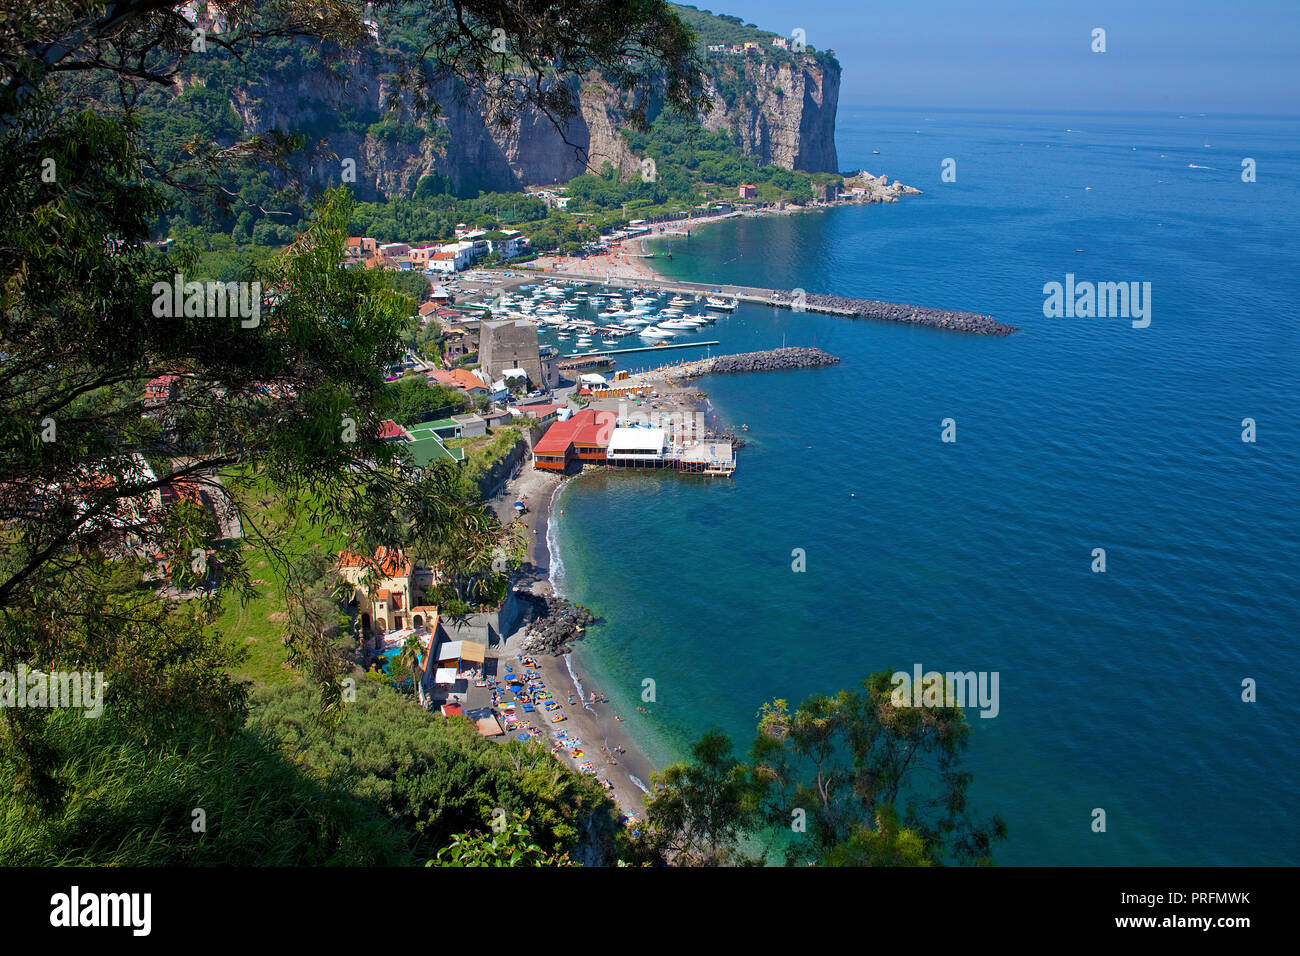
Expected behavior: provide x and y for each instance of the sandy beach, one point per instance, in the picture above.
(606, 741)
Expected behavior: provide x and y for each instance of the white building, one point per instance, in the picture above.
(636, 445)
(445, 262)
(512, 245)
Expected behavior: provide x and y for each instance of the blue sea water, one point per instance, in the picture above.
(1119, 691)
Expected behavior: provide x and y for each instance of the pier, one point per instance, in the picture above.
(799, 301)
(642, 348)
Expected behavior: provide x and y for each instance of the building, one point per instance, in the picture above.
(717, 48)
(645, 447)
(471, 425)
(781, 43)
(509, 345)
(507, 243)
(826, 192)
(457, 344)
(497, 417)
(459, 378)
(362, 247)
(388, 590)
(747, 191)
(543, 412)
(425, 444)
(581, 439)
(161, 390)
(394, 249)
(444, 262)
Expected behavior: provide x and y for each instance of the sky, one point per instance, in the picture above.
(1226, 56)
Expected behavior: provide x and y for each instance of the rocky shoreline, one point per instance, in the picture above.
(556, 623)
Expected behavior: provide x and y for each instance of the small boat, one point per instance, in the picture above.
(875, 152)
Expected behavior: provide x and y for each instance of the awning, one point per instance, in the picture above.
(462, 651)
(445, 675)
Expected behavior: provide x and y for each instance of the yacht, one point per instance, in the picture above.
(720, 305)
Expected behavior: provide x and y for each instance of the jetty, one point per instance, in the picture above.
(801, 301)
(658, 347)
(770, 360)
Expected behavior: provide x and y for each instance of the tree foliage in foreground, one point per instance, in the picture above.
(437, 778)
(287, 392)
(848, 780)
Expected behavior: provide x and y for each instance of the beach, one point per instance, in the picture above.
(606, 741)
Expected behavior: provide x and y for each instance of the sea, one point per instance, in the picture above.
(1162, 690)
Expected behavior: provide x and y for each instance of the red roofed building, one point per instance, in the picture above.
(544, 412)
(389, 599)
(161, 390)
(461, 378)
(389, 430)
(361, 246)
(582, 438)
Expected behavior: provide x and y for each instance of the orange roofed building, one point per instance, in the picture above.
(389, 600)
(582, 438)
(460, 378)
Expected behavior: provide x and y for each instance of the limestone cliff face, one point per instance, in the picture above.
(782, 114)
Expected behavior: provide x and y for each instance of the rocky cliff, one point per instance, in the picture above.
(782, 112)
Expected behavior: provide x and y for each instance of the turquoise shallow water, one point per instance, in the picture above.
(1118, 690)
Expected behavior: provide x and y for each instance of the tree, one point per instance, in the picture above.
(281, 385)
(414, 400)
(512, 846)
(409, 659)
(699, 811)
(436, 777)
(463, 539)
(876, 781)
(849, 780)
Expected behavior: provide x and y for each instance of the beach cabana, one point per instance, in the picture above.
(459, 653)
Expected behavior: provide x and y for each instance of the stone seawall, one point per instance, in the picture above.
(773, 360)
(897, 312)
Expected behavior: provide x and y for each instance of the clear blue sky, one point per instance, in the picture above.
(1225, 56)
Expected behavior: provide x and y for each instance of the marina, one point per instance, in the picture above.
(724, 298)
